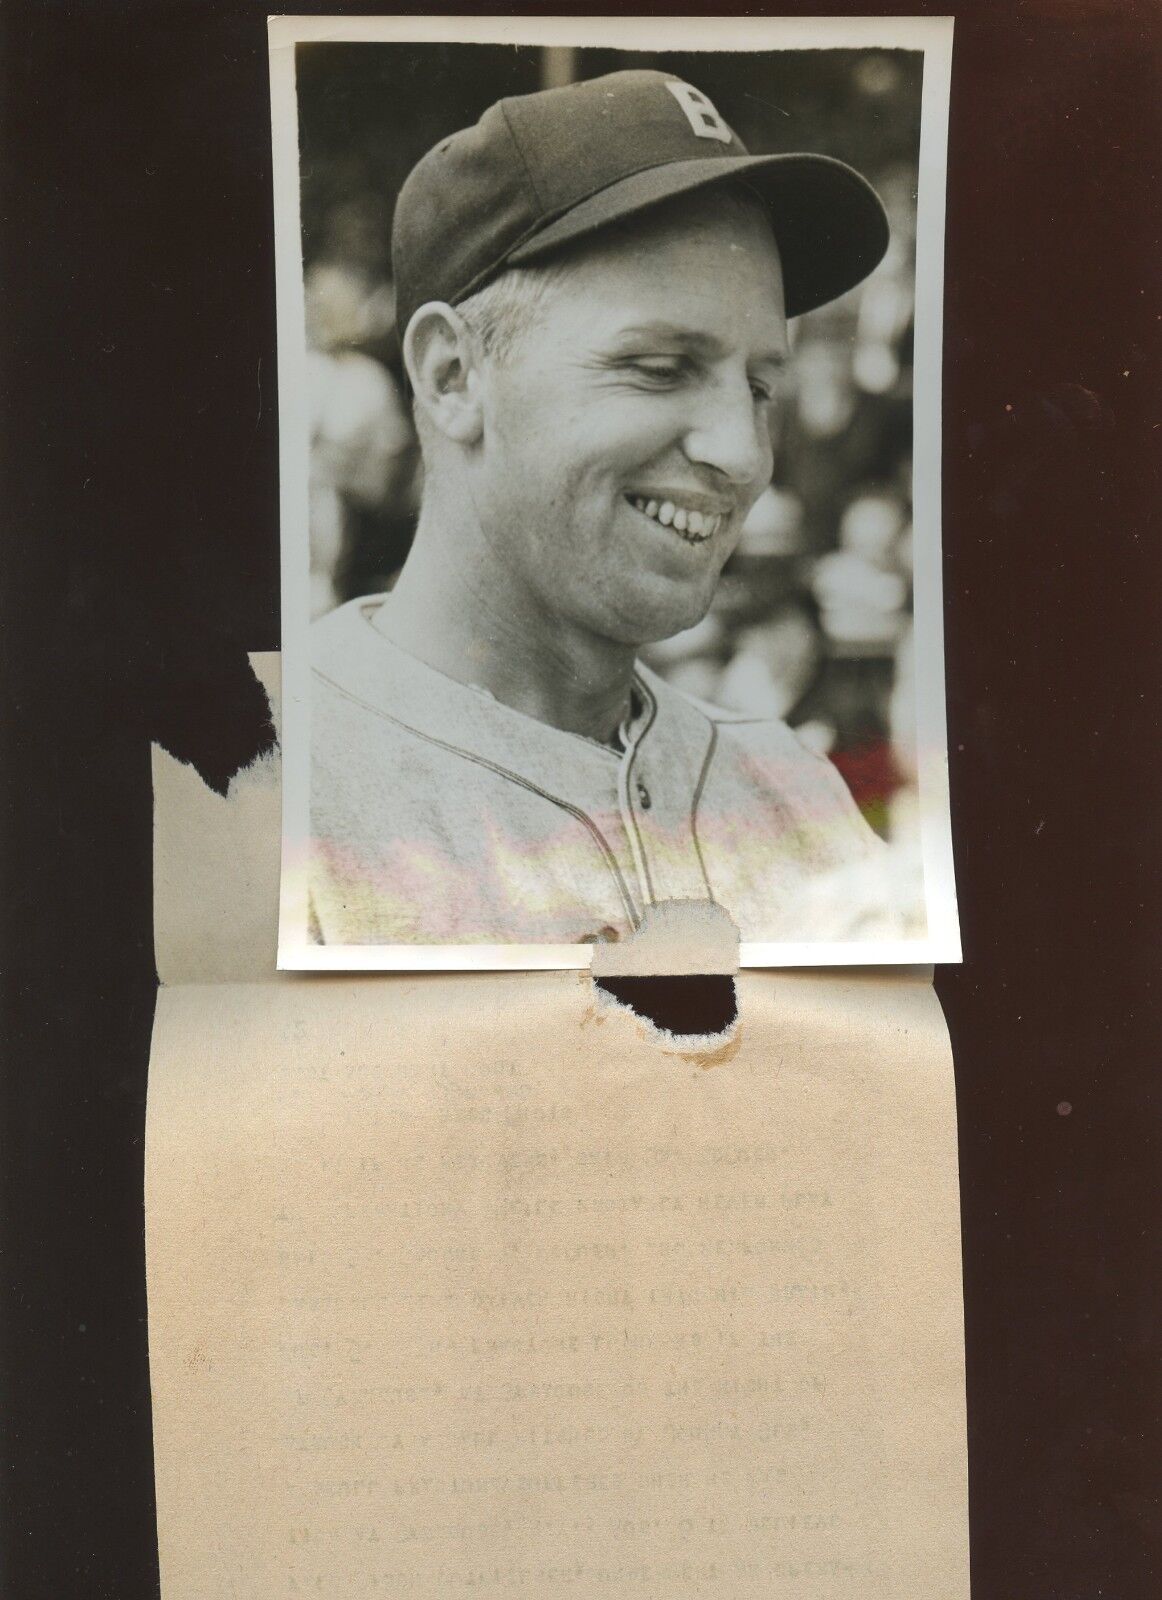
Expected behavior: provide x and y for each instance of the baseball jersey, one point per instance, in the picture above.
(439, 814)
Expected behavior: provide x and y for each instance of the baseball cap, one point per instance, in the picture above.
(539, 171)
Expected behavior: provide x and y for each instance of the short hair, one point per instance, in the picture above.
(505, 309)
(499, 315)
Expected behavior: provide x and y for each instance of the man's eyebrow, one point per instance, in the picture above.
(692, 339)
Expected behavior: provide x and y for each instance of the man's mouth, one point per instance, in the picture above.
(692, 525)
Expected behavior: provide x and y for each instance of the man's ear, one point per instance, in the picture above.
(442, 361)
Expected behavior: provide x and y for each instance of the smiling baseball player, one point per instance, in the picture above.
(593, 285)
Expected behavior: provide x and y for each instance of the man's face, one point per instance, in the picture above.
(628, 433)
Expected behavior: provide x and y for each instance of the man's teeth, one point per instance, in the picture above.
(694, 526)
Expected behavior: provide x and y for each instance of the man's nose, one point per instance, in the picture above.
(732, 433)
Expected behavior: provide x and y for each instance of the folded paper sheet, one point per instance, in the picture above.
(468, 1285)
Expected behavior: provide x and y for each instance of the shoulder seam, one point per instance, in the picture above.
(503, 772)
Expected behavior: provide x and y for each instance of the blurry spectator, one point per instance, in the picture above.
(826, 392)
(362, 442)
(360, 438)
(860, 586)
(774, 525)
(897, 878)
(774, 663)
(349, 293)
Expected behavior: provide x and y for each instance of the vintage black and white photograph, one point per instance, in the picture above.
(609, 402)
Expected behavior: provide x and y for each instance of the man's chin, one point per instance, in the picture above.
(652, 622)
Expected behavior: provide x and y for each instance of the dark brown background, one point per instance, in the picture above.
(138, 442)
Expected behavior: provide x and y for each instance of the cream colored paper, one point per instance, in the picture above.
(466, 1284)
(458, 1285)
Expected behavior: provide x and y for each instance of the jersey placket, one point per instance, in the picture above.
(655, 783)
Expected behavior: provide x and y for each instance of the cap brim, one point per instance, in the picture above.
(828, 221)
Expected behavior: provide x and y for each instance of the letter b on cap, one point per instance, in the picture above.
(700, 114)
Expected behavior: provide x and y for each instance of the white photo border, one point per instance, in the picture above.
(930, 35)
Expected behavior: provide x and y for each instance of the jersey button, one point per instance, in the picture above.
(643, 795)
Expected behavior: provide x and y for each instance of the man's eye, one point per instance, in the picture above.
(762, 392)
(658, 369)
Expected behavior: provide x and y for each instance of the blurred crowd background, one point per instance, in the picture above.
(812, 620)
